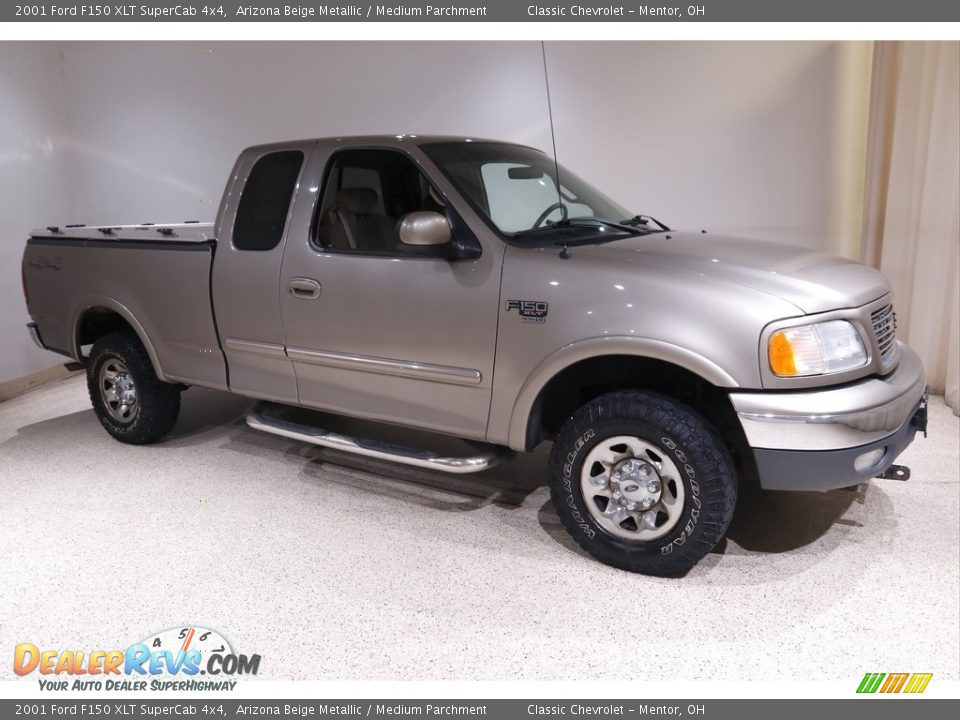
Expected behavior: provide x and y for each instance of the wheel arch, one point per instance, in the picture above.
(98, 316)
(582, 371)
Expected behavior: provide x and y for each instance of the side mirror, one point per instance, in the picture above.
(424, 228)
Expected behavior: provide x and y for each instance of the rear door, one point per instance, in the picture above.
(253, 224)
(373, 330)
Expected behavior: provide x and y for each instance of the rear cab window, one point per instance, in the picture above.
(265, 201)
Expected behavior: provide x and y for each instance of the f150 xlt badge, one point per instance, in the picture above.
(534, 311)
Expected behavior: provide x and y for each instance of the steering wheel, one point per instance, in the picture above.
(546, 213)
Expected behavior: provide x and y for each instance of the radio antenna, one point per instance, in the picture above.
(553, 134)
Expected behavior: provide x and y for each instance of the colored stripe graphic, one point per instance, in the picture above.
(894, 682)
(918, 682)
(913, 683)
(870, 682)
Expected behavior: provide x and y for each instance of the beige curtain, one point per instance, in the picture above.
(912, 198)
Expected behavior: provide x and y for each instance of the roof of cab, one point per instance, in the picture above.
(397, 140)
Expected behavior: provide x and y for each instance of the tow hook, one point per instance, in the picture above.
(895, 472)
(919, 419)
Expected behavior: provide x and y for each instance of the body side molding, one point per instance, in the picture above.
(387, 366)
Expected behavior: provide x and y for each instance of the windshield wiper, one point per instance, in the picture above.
(586, 223)
(644, 220)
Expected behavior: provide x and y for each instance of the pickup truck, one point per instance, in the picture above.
(478, 289)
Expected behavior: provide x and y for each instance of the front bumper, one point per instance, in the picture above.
(834, 437)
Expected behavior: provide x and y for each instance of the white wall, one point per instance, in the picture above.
(760, 139)
(34, 184)
(155, 127)
(765, 139)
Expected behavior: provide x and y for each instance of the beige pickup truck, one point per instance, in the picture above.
(478, 289)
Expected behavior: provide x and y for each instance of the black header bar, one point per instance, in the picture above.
(218, 706)
(854, 11)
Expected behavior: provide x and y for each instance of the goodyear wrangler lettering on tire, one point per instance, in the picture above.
(571, 458)
(567, 473)
(680, 455)
(694, 496)
(578, 518)
(642, 482)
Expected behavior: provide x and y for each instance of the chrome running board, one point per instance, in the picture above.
(491, 455)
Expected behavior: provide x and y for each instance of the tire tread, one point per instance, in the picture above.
(159, 401)
(717, 481)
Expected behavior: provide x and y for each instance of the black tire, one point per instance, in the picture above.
(699, 456)
(157, 403)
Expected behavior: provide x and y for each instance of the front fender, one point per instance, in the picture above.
(581, 350)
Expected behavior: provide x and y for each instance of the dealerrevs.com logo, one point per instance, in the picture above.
(188, 658)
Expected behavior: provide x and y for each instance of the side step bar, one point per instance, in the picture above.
(259, 419)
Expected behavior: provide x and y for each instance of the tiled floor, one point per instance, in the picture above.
(373, 571)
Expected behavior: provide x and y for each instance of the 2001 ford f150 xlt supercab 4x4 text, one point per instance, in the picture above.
(451, 285)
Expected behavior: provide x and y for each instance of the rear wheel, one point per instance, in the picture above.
(131, 402)
(642, 482)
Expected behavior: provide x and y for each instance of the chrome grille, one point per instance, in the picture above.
(885, 331)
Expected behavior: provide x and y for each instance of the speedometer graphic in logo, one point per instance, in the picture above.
(182, 642)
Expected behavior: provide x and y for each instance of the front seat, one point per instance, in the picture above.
(352, 223)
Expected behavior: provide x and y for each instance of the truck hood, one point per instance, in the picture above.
(813, 281)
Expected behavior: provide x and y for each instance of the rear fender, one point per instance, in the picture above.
(91, 302)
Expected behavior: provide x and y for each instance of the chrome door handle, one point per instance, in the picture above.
(304, 288)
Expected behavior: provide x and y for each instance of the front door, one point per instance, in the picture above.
(379, 330)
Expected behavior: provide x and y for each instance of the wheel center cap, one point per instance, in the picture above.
(125, 389)
(638, 482)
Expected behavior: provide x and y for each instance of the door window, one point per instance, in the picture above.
(366, 195)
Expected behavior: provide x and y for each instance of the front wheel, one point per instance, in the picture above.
(131, 402)
(642, 483)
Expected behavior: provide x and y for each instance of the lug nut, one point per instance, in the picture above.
(653, 486)
(647, 502)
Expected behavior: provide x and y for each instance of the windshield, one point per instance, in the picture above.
(515, 187)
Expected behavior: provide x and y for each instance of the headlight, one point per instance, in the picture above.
(826, 347)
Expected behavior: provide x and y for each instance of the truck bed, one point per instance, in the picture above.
(153, 279)
(187, 232)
